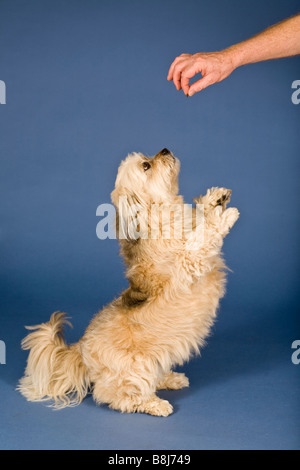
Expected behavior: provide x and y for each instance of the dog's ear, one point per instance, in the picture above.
(133, 297)
(132, 218)
(115, 197)
(123, 198)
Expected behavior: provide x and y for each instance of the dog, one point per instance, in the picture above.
(175, 284)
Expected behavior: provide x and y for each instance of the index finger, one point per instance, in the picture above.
(187, 73)
(174, 63)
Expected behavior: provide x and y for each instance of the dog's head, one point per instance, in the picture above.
(143, 180)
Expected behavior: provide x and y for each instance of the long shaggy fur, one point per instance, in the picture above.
(54, 370)
(130, 347)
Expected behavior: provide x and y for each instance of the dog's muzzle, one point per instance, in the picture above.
(166, 153)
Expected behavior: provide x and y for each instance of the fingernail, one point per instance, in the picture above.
(191, 92)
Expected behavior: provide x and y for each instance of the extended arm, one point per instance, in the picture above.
(277, 41)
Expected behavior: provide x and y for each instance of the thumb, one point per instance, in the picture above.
(200, 85)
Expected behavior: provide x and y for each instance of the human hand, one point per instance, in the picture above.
(214, 67)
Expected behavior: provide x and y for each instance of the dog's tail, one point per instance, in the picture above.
(54, 370)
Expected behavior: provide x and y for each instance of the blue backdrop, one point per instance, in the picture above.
(85, 85)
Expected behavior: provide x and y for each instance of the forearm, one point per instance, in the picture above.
(280, 40)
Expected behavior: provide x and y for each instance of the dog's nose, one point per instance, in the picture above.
(165, 151)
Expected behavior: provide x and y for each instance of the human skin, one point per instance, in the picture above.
(277, 41)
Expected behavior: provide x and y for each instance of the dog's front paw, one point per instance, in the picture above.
(214, 197)
(228, 219)
(224, 197)
(222, 221)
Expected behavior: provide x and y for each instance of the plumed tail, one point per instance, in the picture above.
(54, 370)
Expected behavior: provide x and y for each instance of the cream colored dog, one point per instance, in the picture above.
(175, 284)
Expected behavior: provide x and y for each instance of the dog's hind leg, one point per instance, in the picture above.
(128, 402)
(152, 405)
(130, 393)
(173, 381)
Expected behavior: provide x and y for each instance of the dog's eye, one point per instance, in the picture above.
(146, 166)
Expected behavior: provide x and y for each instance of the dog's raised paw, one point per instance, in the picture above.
(225, 198)
(229, 218)
(222, 197)
(214, 197)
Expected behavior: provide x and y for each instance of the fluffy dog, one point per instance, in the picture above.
(175, 284)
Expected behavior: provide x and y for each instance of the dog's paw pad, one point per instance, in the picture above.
(225, 197)
(222, 199)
